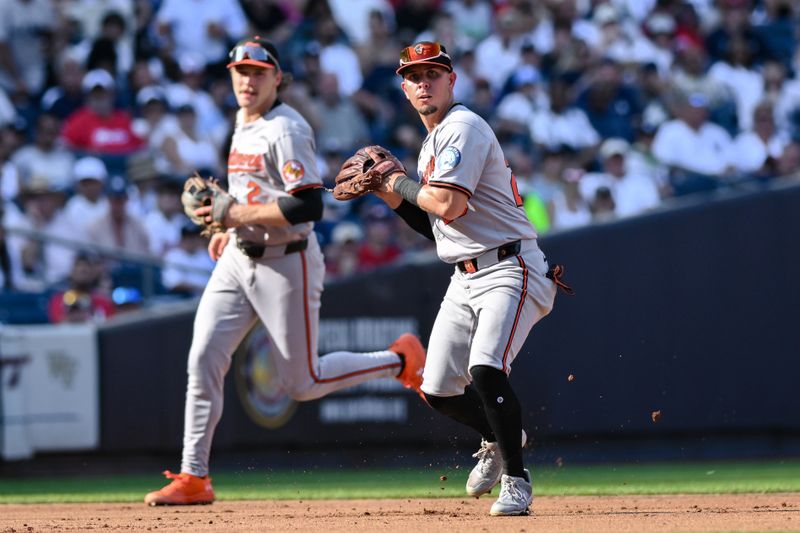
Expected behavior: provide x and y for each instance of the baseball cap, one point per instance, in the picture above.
(424, 53)
(660, 23)
(97, 78)
(525, 75)
(89, 168)
(605, 14)
(117, 187)
(151, 93)
(614, 146)
(254, 51)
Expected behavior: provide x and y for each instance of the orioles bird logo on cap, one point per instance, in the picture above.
(418, 49)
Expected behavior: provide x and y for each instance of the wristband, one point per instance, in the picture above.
(407, 188)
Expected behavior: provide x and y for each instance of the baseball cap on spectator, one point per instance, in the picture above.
(117, 187)
(660, 23)
(313, 48)
(697, 99)
(97, 79)
(151, 93)
(605, 14)
(424, 53)
(89, 168)
(346, 232)
(614, 146)
(525, 75)
(255, 51)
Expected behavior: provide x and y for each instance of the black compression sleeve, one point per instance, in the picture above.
(305, 206)
(416, 218)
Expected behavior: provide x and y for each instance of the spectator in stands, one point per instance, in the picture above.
(698, 152)
(98, 128)
(734, 24)
(353, 17)
(117, 228)
(144, 176)
(690, 77)
(642, 161)
(37, 263)
(785, 95)
(188, 147)
(569, 209)
(563, 124)
(613, 107)
(498, 55)
(337, 57)
(778, 32)
(632, 194)
(6, 283)
(736, 72)
(155, 118)
(758, 150)
(660, 28)
(340, 125)
(472, 18)
(89, 201)
(187, 266)
(26, 27)
(380, 47)
(165, 223)
(67, 96)
(191, 88)
(378, 248)
(205, 26)
(45, 158)
(82, 300)
(413, 17)
(275, 18)
(516, 110)
(341, 255)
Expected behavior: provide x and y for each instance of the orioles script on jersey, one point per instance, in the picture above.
(239, 162)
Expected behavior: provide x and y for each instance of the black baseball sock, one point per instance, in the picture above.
(504, 414)
(467, 409)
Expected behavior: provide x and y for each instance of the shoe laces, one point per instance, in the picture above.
(511, 490)
(484, 456)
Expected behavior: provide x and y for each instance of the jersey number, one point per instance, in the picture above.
(255, 192)
(517, 198)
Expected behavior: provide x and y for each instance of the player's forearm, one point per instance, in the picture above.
(445, 203)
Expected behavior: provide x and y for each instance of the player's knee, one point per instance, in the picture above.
(303, 392)
(443, 404)
(487, 377)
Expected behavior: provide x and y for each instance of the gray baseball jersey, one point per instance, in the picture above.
(463, 153)
(488, 311)
(269, 158)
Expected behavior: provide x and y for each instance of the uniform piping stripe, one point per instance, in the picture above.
(305, 187)
(311, 370)
(519, 310)
(451, 186)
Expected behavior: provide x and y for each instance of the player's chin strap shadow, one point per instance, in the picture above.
(555, 274)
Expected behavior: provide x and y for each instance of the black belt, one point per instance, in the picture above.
(490, 257)
(256, 251)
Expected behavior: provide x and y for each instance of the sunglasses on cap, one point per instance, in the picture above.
(252, 52)
(424, 51)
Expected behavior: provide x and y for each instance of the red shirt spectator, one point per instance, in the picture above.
(97, 127)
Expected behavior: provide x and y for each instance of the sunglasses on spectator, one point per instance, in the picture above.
(253, 53)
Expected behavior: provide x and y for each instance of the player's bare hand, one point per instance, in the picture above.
(217, 245)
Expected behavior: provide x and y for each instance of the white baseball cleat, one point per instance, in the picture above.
(487, 473)
(516, 496)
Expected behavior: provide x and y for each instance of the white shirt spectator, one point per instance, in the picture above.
(495, 62)
(55, 165)
(21, 27)
(9, 182)
(571, 128)
(189, 21)
(707, 150)
(57, 259)
(633, 194)
(7, 110)
(472, 18)
(746, 85)
(566, 214)
(340, 59)
(352, 16)
(81, 212)
(163, 233)
(751, 152)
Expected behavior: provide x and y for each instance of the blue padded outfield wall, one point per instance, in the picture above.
(692, 312)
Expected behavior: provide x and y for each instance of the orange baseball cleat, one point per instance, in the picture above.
(408, 346)
(185, 489)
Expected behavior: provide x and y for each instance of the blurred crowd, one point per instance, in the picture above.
(605, 108)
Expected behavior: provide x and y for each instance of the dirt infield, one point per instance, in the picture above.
(695, 513)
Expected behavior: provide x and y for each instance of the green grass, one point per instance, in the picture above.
(671, 478)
